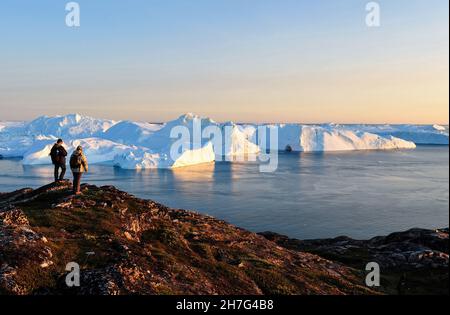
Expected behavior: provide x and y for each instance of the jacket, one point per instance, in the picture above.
(58, 154)
(84, 163)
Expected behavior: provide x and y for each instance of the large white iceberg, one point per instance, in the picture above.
(146, 159)
(226, 139)
(319, 138)
(238, 141)
(205, 141)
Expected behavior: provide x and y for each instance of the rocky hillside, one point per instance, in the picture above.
(126, 245)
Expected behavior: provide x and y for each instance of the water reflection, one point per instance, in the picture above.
(38, 171)
(201, 172)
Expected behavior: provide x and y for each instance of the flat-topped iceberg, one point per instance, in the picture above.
(191, 139)
(307, 138)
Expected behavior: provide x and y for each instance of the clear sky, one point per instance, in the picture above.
(242, 60)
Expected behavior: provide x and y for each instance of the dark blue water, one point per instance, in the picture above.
(359, 194)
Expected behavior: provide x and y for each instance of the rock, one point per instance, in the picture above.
(22, 248)
(128, 236)
(398, 258)
(7, 280)
(415, 252)
(415, 257)
(100, 282)
(65, 204)
(13, 217)
(46, 264)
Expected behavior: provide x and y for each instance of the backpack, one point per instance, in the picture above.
(54, 155)
(76, 161)
(58, 155)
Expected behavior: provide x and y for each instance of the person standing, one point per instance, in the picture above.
(58, 155)
(78, 165)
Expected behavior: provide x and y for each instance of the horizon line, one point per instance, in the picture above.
(234, 121)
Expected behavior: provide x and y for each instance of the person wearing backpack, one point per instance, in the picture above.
(58, 155)
(78, 165)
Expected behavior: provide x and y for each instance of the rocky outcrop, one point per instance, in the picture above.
(126, 245)
(414, 261)
(20, 247)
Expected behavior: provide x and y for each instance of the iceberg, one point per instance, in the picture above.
(146, 159)
(16, 147)
(316, 138)
(131, 133)
(98, 150)
(226, 139)
(18, 138)
(10, 124)
(419, 134)
(238, 141)
(140, 145)
(192, 124)
(69, 126)
(126, 144)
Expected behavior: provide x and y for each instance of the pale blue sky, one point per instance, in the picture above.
(241, 60)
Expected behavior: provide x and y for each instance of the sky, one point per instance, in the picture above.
(308, 61)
